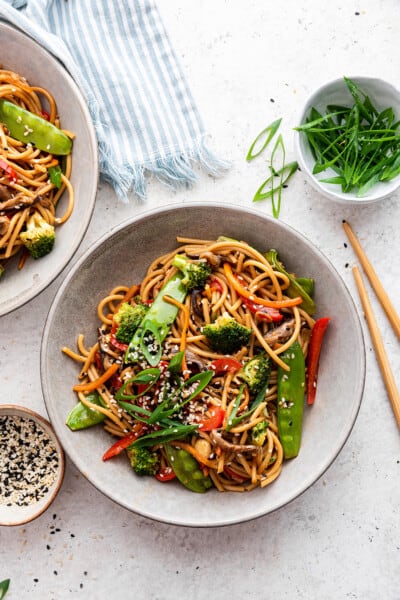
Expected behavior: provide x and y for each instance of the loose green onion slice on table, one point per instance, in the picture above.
(279, 174)
(4, 585)
(262, 140)
(359, 143)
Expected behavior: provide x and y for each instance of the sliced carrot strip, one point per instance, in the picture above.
(96, 383)
(242, 291)
(191, 450)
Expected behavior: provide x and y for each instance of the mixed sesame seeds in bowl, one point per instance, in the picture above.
(31, 465)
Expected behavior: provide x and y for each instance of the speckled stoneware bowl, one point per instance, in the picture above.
(383, 95)
(26, 57)
(122, 256)
(32, 465)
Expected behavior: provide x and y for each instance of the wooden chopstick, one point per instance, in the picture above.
(373, 278)
(381, 355)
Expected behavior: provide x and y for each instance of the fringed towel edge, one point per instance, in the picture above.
(173, 170)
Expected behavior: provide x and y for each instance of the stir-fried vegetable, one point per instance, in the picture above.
(297, 287)
(314, 351)
(291, 391)
(152, 330)
(26, 127)
(187, 469)
(82, 416)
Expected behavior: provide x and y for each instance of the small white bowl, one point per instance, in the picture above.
(383, 95)
(36, 466)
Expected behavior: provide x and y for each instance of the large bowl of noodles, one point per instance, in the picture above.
(122, 257)
(23, 56)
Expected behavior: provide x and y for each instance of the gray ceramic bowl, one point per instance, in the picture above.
(26, 57)
(383, 95)
(122, 257)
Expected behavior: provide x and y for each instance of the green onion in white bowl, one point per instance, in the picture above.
(348, 139)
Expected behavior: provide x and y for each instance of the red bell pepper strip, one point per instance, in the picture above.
(233, 474)
(113, 340)
(98, 361)
(165, 474)
(225, 365)
(265, 313)
(215, 285)
(8, 170)
(124, 442)
(314, 351)
(116, 383)
(214, 420)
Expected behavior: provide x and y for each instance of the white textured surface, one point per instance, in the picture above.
(339, 540)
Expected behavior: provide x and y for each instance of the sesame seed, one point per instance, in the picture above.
(28, 461)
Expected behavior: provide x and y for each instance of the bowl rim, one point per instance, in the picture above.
(25, 412)
(345, 434)
(31, 292)
(324, 189)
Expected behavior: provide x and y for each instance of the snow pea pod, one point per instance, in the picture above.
(82, 417)
(187, 469)
(291, 392)
(27, 127)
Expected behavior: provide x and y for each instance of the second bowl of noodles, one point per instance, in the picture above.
(132, 396)
(48, 168)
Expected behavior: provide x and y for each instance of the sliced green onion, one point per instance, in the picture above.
(359, 143)
(4, 585)
(265, 191)
(267, 133)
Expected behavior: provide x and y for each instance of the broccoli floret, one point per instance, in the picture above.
(143, 461)
(259, 433)
(128, 318)
(1, 271)
(195, 272)
(255, 372)
(39, 236)
(226, 335)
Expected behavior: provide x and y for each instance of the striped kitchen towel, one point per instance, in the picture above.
(120, 55)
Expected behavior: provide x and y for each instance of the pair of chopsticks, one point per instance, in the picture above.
(391, 313)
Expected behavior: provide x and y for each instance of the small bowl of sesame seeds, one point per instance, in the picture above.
(31, 465)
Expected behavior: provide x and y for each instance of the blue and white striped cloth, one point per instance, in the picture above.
(120, 55)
